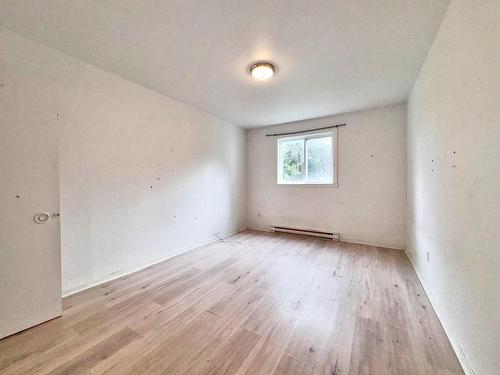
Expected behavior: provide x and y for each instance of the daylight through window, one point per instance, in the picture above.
(307, 159)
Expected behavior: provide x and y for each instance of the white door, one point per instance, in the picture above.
(30, 260)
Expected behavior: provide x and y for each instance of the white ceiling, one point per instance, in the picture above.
(333, 56)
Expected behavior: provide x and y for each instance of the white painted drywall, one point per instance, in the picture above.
(454, 180)
(142, 177)
(368, 206)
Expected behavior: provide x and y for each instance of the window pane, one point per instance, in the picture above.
(319, 160)
(292, 159)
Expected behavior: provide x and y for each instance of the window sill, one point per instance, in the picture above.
(334, 185)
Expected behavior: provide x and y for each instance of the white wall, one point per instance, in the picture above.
(454, 180)
(368, 206)
(142, 177)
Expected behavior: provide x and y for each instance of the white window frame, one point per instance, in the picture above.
(332, 133)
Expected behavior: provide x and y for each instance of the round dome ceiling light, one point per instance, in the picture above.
(262, 70)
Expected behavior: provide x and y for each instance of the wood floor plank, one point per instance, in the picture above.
(291, 366)
(82, 363)
(274, 324)
(255, 303)
(229, 357)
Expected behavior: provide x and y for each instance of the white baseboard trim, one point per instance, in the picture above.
(371, 243)
(462, 357)
(121, 273)
(259, 229)
(349, 240)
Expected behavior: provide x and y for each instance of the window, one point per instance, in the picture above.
(307, 160)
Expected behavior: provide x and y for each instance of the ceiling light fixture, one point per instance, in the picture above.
(262, 70)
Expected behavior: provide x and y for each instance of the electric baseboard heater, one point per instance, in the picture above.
(306, 232)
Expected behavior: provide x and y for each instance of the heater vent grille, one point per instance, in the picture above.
(306, 232)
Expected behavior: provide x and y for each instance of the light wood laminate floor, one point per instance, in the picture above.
(254, 303)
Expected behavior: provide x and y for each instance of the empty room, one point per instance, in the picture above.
(265, 187)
